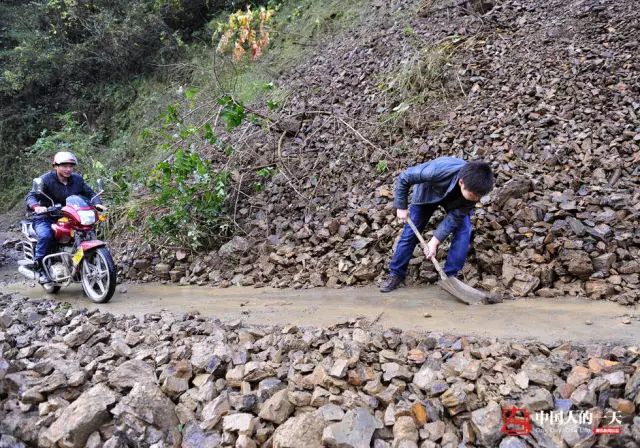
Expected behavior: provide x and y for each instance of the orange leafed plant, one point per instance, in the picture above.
(245, 32)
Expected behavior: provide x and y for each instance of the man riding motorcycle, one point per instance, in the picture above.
(59, 183)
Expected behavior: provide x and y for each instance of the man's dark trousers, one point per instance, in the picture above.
(420, 215)
(44, 231)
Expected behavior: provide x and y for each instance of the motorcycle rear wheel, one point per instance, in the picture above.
(98, 275)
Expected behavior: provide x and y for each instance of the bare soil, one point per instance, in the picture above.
(544, 320)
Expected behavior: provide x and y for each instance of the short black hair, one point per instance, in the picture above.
(477, 177)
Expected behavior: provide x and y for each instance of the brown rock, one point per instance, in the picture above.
(565, 390)
(579, 264)
(514, 188)
(81, 418)
(599, 289)
(578, 376)
(597, 365)
(623, 406)
(419, 413)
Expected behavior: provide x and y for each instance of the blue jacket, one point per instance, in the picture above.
(433, 181)
(59, 192)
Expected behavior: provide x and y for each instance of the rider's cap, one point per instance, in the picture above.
(64, 157)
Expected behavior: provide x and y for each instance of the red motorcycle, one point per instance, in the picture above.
(77, 256)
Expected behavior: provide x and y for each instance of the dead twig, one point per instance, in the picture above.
(460, 84)
(235, 206)
(360, 135)
(285, 168)
(215, 123)
(315, 132)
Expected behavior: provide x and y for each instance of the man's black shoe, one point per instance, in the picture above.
(392, 282)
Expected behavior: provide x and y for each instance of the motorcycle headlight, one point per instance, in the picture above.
(87, 217)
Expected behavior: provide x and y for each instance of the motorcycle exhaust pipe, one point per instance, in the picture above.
(31, 275)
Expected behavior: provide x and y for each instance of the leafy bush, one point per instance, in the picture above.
(36, 159)
(232, 112)
(382, 166)
(70, 137)
(191, 198)
(57, 56)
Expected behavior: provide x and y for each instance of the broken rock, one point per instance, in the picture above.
(354, 431)
(81, 418)
(308, 427)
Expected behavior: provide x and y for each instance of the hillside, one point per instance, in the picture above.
(545, 91)
(305, 144)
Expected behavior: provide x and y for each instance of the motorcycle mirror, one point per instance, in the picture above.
(99, 185)
(37, 185)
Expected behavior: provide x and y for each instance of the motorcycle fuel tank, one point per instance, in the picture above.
(62, 232)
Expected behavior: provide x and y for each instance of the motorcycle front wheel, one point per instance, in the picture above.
(98, 275)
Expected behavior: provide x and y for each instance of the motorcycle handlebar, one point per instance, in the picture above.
(50, 210)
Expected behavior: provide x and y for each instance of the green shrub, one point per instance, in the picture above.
(191, 198)
(382, 166)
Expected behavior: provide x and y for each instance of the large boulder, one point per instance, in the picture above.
(234, 248)
(147, 414)
(81, 418)
(130, 373)
(486, 423)
(277, 408)
(354, 431)
(80, 335)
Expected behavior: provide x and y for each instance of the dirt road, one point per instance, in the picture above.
(546, 320)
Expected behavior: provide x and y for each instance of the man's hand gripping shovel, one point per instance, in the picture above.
(452, 285)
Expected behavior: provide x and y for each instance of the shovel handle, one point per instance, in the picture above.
(443, 276)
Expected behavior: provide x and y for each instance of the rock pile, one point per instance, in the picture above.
(72, 378)
(546, 91)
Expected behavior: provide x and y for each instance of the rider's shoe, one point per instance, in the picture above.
(42, 275)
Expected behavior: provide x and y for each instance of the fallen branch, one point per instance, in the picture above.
(287, 169)
(359, 135)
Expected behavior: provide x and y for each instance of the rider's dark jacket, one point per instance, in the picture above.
(59, 192)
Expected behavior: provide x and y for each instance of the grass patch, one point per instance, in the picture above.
(425, 78)
(428, 70)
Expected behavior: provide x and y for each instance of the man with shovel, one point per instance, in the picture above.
(447, 182)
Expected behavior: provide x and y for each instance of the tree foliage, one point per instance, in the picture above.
(57, 55)
(245, 33)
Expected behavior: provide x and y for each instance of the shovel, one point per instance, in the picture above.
(452, 285)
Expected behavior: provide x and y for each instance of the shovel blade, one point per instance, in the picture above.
(462, 291)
